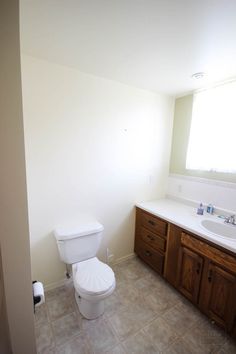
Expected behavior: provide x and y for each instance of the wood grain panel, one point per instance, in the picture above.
(152, 239)
(189, 274)
(154, 224)
(220, 296)
(219, 257)
(154, 258)
(172, 254)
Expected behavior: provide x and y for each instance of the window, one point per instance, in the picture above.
(212, 140)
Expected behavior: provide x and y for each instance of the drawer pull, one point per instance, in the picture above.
(147, 253)
(151, 222)
(151, 238)
(210, 276)
(198, 268)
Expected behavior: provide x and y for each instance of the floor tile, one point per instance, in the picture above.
(179, 347)
(160, 334)
(129, 321)
(60, 306)
(146, 286)
(131, 270)
(65, 328)
(78, 345)
(64, 291)
(41, 315)
(144, 315)
(228, 348)
(116, 350)
(51, 350)
(101, 337)
(44, 338)
(113, 304)
(128, 295)
(140, 344)
(205, 338)
(86, 324)
(158, 303)
(168, 293)
(180, 321)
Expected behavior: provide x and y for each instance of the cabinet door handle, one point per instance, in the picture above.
(209, 276)
(198, 268)
(151, 238)
(148, 253)
(151, 222)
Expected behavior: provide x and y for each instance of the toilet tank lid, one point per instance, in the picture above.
(80, 227)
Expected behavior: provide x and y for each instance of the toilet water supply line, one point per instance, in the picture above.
(107, 255)
(68, 272)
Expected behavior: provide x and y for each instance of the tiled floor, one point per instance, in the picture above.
(143, 316)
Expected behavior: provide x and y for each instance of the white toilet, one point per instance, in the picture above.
(93, 280)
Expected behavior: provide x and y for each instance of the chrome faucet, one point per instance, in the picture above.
(230, 220)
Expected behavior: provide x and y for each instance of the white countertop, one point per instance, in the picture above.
(186, 217)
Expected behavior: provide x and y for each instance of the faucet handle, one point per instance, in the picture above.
(230, 219)
(227, 220)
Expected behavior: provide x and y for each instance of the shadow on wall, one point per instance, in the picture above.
(123, 237)
(46, 260)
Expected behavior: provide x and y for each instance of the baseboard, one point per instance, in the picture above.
(62, 282)
(56, 284)
(125, 258)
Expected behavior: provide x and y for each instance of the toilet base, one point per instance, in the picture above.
(88, 309)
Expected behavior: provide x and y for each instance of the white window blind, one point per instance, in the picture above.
(212, 140)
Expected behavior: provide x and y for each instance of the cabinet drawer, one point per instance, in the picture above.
(154, 258)
(153, 240)
(212, 253)
(154, 224)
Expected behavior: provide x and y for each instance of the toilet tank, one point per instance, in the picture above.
(78, 240)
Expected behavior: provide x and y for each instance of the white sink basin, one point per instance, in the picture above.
(220, 229)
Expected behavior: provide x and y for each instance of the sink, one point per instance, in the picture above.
(223, 230)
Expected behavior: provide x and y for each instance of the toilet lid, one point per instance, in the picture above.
(93, 277)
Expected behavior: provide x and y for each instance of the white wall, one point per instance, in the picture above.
(219, 193)
(93, 146)
(14, 231)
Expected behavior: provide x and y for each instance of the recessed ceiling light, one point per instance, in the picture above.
(199, 75)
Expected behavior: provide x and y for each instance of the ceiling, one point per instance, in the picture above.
(151, 44)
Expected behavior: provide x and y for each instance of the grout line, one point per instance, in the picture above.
(108, 320)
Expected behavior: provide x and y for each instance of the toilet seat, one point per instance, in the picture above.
(93, 278)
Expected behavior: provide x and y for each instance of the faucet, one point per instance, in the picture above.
(230, 220)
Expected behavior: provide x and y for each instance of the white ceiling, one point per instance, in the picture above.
(151, 44)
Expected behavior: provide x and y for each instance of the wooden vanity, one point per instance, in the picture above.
(202, 271)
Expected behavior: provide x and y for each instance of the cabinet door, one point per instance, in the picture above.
(189, 273)
(220, 295)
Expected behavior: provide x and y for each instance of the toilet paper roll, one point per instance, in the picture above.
(38, 292)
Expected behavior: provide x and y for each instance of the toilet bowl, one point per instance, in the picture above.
(93, 281)
(78, 243)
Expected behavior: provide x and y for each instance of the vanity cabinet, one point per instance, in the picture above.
(219, 296)
(150, 239)
(189, 273)
(207, 277)
(202, 271)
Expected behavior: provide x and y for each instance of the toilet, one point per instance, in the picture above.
(78, 243)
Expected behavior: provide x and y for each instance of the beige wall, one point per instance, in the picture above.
(181, 130)
(94, 146)
(13, 211)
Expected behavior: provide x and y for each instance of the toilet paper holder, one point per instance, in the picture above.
(38, 293)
